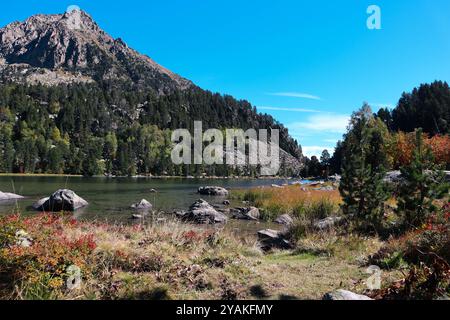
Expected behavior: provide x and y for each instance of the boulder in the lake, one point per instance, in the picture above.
(142, 205)
(201, 212)
(328, 223)
(285, 220)
(250, 213)
(5, 196)
(226, 203)
(344, 295)
(39, 205)
(62, 200)
(213, 191)
(153, 191)
(272, 239)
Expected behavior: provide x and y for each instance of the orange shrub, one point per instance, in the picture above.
(404, 144)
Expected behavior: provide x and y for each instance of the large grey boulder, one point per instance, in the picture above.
(344, 295)
(5, 196)
(201, 212)
(272, 239)
(213, 191)
(142, 205)
(61, 200)
(250, 213)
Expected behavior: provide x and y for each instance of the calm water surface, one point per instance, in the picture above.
(110, 198)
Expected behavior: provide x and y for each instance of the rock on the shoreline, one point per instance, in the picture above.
(395, 177)
(285, 220)
(250, 213)
(61, 200)
(201, 212)
(213, 191)
(142, 205)
(5, 196)
(270, 239)
(327, 223)
(343, 295)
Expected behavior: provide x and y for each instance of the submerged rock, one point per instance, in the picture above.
(201, 212)
(251, 213)
(142, 205)
(271, 239)
(213, 191)
(344, 295)
(6, 196)
(61, 200)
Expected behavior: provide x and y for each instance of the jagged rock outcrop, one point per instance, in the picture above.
(71, 47)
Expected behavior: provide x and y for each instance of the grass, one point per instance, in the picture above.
(166, 261)
(293, 200)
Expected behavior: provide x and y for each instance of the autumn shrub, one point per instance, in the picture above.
(426, 250)
(36, 256)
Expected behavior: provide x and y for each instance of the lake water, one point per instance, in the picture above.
(110, 198)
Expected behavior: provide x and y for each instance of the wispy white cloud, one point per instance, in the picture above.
(289, 109)
(331, 123)
(310, 151)
(296, 95)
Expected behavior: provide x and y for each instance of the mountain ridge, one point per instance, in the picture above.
(67, 46)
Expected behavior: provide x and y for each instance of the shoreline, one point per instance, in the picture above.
(38, 175)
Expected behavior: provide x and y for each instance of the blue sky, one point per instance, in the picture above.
(308, 63)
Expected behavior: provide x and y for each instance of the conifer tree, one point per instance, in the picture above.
(423, 183)
(362, 186)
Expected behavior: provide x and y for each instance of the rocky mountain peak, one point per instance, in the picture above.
(71, 47)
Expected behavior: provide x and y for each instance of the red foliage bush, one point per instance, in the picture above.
(49, 254)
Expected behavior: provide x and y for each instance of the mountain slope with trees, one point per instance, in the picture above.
(74, 100)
